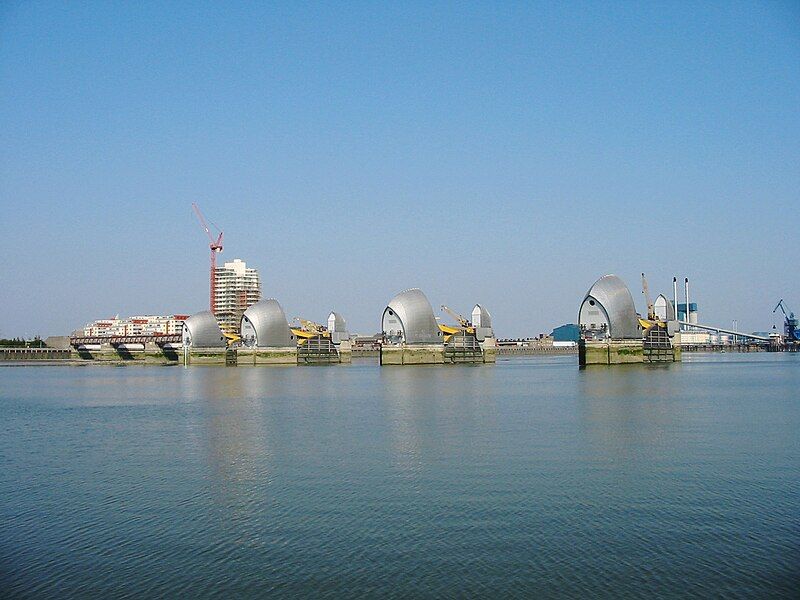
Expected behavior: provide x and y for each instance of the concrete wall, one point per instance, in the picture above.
(345, 352)
(412, 355)
(618, 352)
(676, 347)
(489, 347)
(34, 354)
(205, 356)
(267, 356)
(60, 342)
(433, 354)
(622, 352)
(611, 352)
(152, 354)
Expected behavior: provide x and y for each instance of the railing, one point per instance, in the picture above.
(318, 349)
(114, 340)
(463, 347)
(657, 346)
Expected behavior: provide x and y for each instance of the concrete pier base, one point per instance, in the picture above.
(622, 352)
(489, 347)
(102, 355)
(152, 354)
(345, 352)
(267, 356)
(205, 356)
(412, 355)
(619, 352)
(610, 352)
(437, 354)
(676, 347)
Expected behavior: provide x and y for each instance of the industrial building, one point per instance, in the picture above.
(692, 316)
(566, 333)
(236, 287)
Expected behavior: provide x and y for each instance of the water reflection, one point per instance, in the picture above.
(436, 413)
(626, 411)
(364, 481)
(235, 441)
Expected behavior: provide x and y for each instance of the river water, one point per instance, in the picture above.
(529, 478)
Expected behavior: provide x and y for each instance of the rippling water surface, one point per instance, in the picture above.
(528, 478)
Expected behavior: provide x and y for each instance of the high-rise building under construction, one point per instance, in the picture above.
(235, 288)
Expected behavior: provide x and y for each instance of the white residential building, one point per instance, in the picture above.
(236, 288)
(138, 325)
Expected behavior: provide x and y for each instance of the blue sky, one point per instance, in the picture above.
(502, 153)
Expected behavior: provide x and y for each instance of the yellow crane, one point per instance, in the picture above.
(309, 329)
(230, 338)
(464, 324)
(651, 320)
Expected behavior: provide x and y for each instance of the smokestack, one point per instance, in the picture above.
(675, 298)
(686, 293)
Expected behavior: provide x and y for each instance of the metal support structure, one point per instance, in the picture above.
(657, 346)
(728, 331)
(318, 349)
(463, 347)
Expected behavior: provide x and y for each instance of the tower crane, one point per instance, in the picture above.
(216, 247)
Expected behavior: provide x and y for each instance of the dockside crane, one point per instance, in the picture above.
(790, 331)
(216, 247)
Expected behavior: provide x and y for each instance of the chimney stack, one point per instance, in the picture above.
(686, 293)
(675, 298)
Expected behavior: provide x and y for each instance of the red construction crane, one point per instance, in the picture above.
(216, 248)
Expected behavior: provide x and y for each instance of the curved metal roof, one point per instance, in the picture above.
(202, 330)
(269, 323)
(336, 323)
(415, 314)
(481, 317)
(611, 293)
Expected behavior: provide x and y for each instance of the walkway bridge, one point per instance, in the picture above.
(124, 340)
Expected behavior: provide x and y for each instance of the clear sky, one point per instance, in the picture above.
(503, 153)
